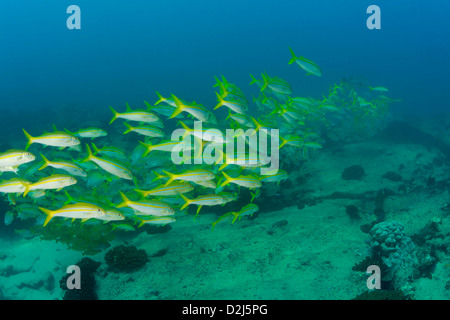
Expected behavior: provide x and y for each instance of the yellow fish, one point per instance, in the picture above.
(83, 211)
(54, 139)
(56, 181)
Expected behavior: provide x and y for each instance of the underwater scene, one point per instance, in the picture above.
(238, 150)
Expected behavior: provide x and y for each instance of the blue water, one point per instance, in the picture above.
(124, 52)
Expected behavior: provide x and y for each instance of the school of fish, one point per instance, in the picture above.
(68, 176)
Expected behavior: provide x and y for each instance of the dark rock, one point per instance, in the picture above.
(393, 176)
(126, 258)
(152, 229)
(355, 172)
(280, 224)
(159, 253)
(353, 212)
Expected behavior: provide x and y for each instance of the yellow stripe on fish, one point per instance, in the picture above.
(146, 207)
(54, 139)
(75, 211)
(112, 166)
(56, 181)
(13, 158)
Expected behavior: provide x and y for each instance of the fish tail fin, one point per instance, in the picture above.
(142, 193)
(149, 107)
(220, 101)
(70, 199)
(266, 82)
(284, 141)
(27, 189)
(161, 99)
(228, 179)
(94, 147)
(186, 201)
(125, 200)
(142, 222)
(171, 177)
(46, 162)
(89, 155)
(179, 107)
(236, 215)
(253, 79)
(115, 115)
(129, 128)
(158, 176)
(148, 148)
(49, 214)
(229, 114)
(135, 181)
(66, 130)
(185, 127)
(292, 60)
(257, 124)
(29, 138)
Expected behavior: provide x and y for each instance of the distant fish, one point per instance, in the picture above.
(8, 218)
(145, 130)
(36, 194)
(206, 134)
(146, 207)
(379, 89)
(175, 188)
(277, 177)
(190, 175)
(82, 211)
(247, 210)
(124, 227)
(236, 106)
(309, 66)
(245, 181)
(197, 111)
(164, 146)
(168, 101)
(134, 115)
(157, 221)
(109, 151)
(91, 133)
(54, 139)
(276, 84)
(56, 181)
(69, 167)
(110, 165)
(203, 200)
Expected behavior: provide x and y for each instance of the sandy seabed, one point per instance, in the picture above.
(292, 253)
